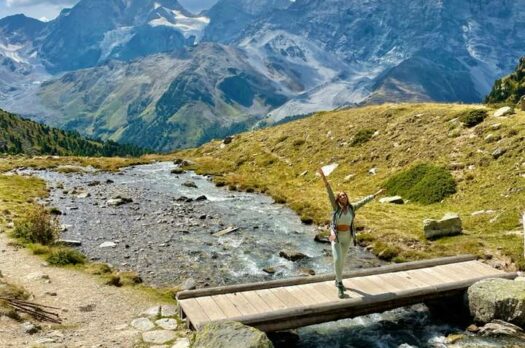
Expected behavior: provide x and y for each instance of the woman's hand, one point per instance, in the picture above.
(332, 237)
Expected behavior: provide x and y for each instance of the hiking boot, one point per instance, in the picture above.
(340, 289)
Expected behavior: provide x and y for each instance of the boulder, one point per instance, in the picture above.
(292, 255)
(227, 140)
(504, 111)
(449, 225)
(177, 171)
(189, 184)
(229, 334)
(201, 198)
(501, 299)
(392, 200)
(189, 284)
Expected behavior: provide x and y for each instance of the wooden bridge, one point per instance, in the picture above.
(292, 303)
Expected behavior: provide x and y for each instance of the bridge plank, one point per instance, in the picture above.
(304, 296)
(298, 295)
(395, 281)
(240, 302)
(286, 297)
(213, 311)
(198, 315)
(365, 286)
(480, 268)
(316, 295)
(433, 274)
(256, 301)
(380, 284)
(417, 283)
(271, 300)
(227, 307)
(423, 278)
(447, 273)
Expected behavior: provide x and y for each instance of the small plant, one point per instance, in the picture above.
(471, 118)
(38, 227)
(362, 136)
(66, 256)
(423, 183)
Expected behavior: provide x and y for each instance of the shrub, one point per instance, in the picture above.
(362, 136)
(423, 183)
(471, 118)
(38, 227)
(65, 256)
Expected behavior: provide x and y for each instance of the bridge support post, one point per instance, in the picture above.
(453, 309)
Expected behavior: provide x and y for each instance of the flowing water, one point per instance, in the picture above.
(166, 235)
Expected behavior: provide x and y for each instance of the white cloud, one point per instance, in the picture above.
(26, 3)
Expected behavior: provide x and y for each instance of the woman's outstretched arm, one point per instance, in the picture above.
(366, 199)
(331, 195)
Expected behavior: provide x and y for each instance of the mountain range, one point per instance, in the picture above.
(151, 73)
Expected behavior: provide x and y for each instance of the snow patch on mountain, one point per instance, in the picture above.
(13, 52)
(189, 26)
(113, 39)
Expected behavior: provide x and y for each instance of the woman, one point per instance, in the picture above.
(342, 229)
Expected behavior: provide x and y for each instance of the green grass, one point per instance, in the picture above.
(424, 183)
(471, 118)
(62, 256)
(410, 134)
(362, 136)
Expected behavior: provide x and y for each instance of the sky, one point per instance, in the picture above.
(49, 9)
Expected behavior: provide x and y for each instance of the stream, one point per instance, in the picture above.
(163, 228)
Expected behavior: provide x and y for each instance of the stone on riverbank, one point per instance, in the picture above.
(189, 184)
(449, 225)
(502, 299)
(158, 336)
(118, 200)
(292, 255)
(229, 334)
(392, 200)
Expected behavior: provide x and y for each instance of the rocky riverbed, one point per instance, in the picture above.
(163, 225)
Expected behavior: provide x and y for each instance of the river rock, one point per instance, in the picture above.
(201, 198)
(142, 324)
(392, 200)
(158, 336)
(228, 334)
(169, 311)
(504, 111)
(227, 140)
(29, 328)
(189, 184)
(189, 284)
(449, 225)
(498, 328)
(152, 312)
(118, 200)
(182, 343)
(321, 238)
(107, 245)
(292, 255)
(502, 299)
(84, 195)
(167, 324)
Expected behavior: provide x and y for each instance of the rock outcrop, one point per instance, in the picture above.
(230, 334)
(449, 225)
(501, 299)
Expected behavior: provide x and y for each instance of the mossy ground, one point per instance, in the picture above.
(282, 161)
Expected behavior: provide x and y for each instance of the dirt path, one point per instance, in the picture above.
(94, 315)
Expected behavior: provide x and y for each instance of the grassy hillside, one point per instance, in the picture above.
(282, 161)
(510, 88)
(21, 136)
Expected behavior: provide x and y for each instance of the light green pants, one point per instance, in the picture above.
(339, 252)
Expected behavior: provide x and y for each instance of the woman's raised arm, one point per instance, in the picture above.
(331, 195)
